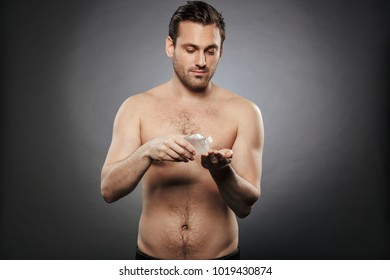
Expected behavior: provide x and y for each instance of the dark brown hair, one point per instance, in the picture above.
(199, 12)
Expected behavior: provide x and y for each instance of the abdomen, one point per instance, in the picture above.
(183, 215)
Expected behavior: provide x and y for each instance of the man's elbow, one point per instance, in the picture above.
(244, 213)
(107, 194)
(247, 209)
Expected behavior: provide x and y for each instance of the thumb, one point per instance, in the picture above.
(227, 153)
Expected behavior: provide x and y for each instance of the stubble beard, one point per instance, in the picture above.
(191, 81)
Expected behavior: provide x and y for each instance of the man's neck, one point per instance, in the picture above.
(181, 91)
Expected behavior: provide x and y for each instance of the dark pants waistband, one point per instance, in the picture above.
(139, 255)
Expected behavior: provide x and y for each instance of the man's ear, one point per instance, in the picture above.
(169, 47)
(220, 52)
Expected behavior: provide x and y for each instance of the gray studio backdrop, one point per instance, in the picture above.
(317, 70)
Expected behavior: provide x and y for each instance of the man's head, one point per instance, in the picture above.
(198, 12)
(196, 35)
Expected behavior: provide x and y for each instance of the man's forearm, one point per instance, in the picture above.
(120, 178)
(238, 193)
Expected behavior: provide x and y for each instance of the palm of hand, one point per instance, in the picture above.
(217, 159)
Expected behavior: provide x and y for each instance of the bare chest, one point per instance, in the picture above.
(207, 121)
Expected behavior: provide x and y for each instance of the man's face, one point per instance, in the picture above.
(196, 54)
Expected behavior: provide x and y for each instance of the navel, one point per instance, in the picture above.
(184, 227)
(184, 232)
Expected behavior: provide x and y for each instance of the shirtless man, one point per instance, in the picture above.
(190, 200)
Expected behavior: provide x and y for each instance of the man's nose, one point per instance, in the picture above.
(201, 60)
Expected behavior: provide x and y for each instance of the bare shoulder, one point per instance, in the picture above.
(241, 107)
(139, 102)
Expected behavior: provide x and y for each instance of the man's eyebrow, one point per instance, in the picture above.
(190, 45)
(212, 46)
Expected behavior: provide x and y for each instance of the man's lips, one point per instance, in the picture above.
(199, 71)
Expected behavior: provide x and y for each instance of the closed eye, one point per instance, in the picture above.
(211, 51)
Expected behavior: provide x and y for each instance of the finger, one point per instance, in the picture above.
(186, 145)
(175, 156)
(182, 152)
(227, 153)
(213, 159)
(221, 159)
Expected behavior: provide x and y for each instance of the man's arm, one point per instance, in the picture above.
(239, 181)
(127, 160)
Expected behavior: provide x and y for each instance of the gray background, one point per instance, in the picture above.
(317, 69)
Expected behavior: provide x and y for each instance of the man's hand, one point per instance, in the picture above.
(217, 159)
(171, 148)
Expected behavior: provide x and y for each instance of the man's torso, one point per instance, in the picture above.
(184, 216)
